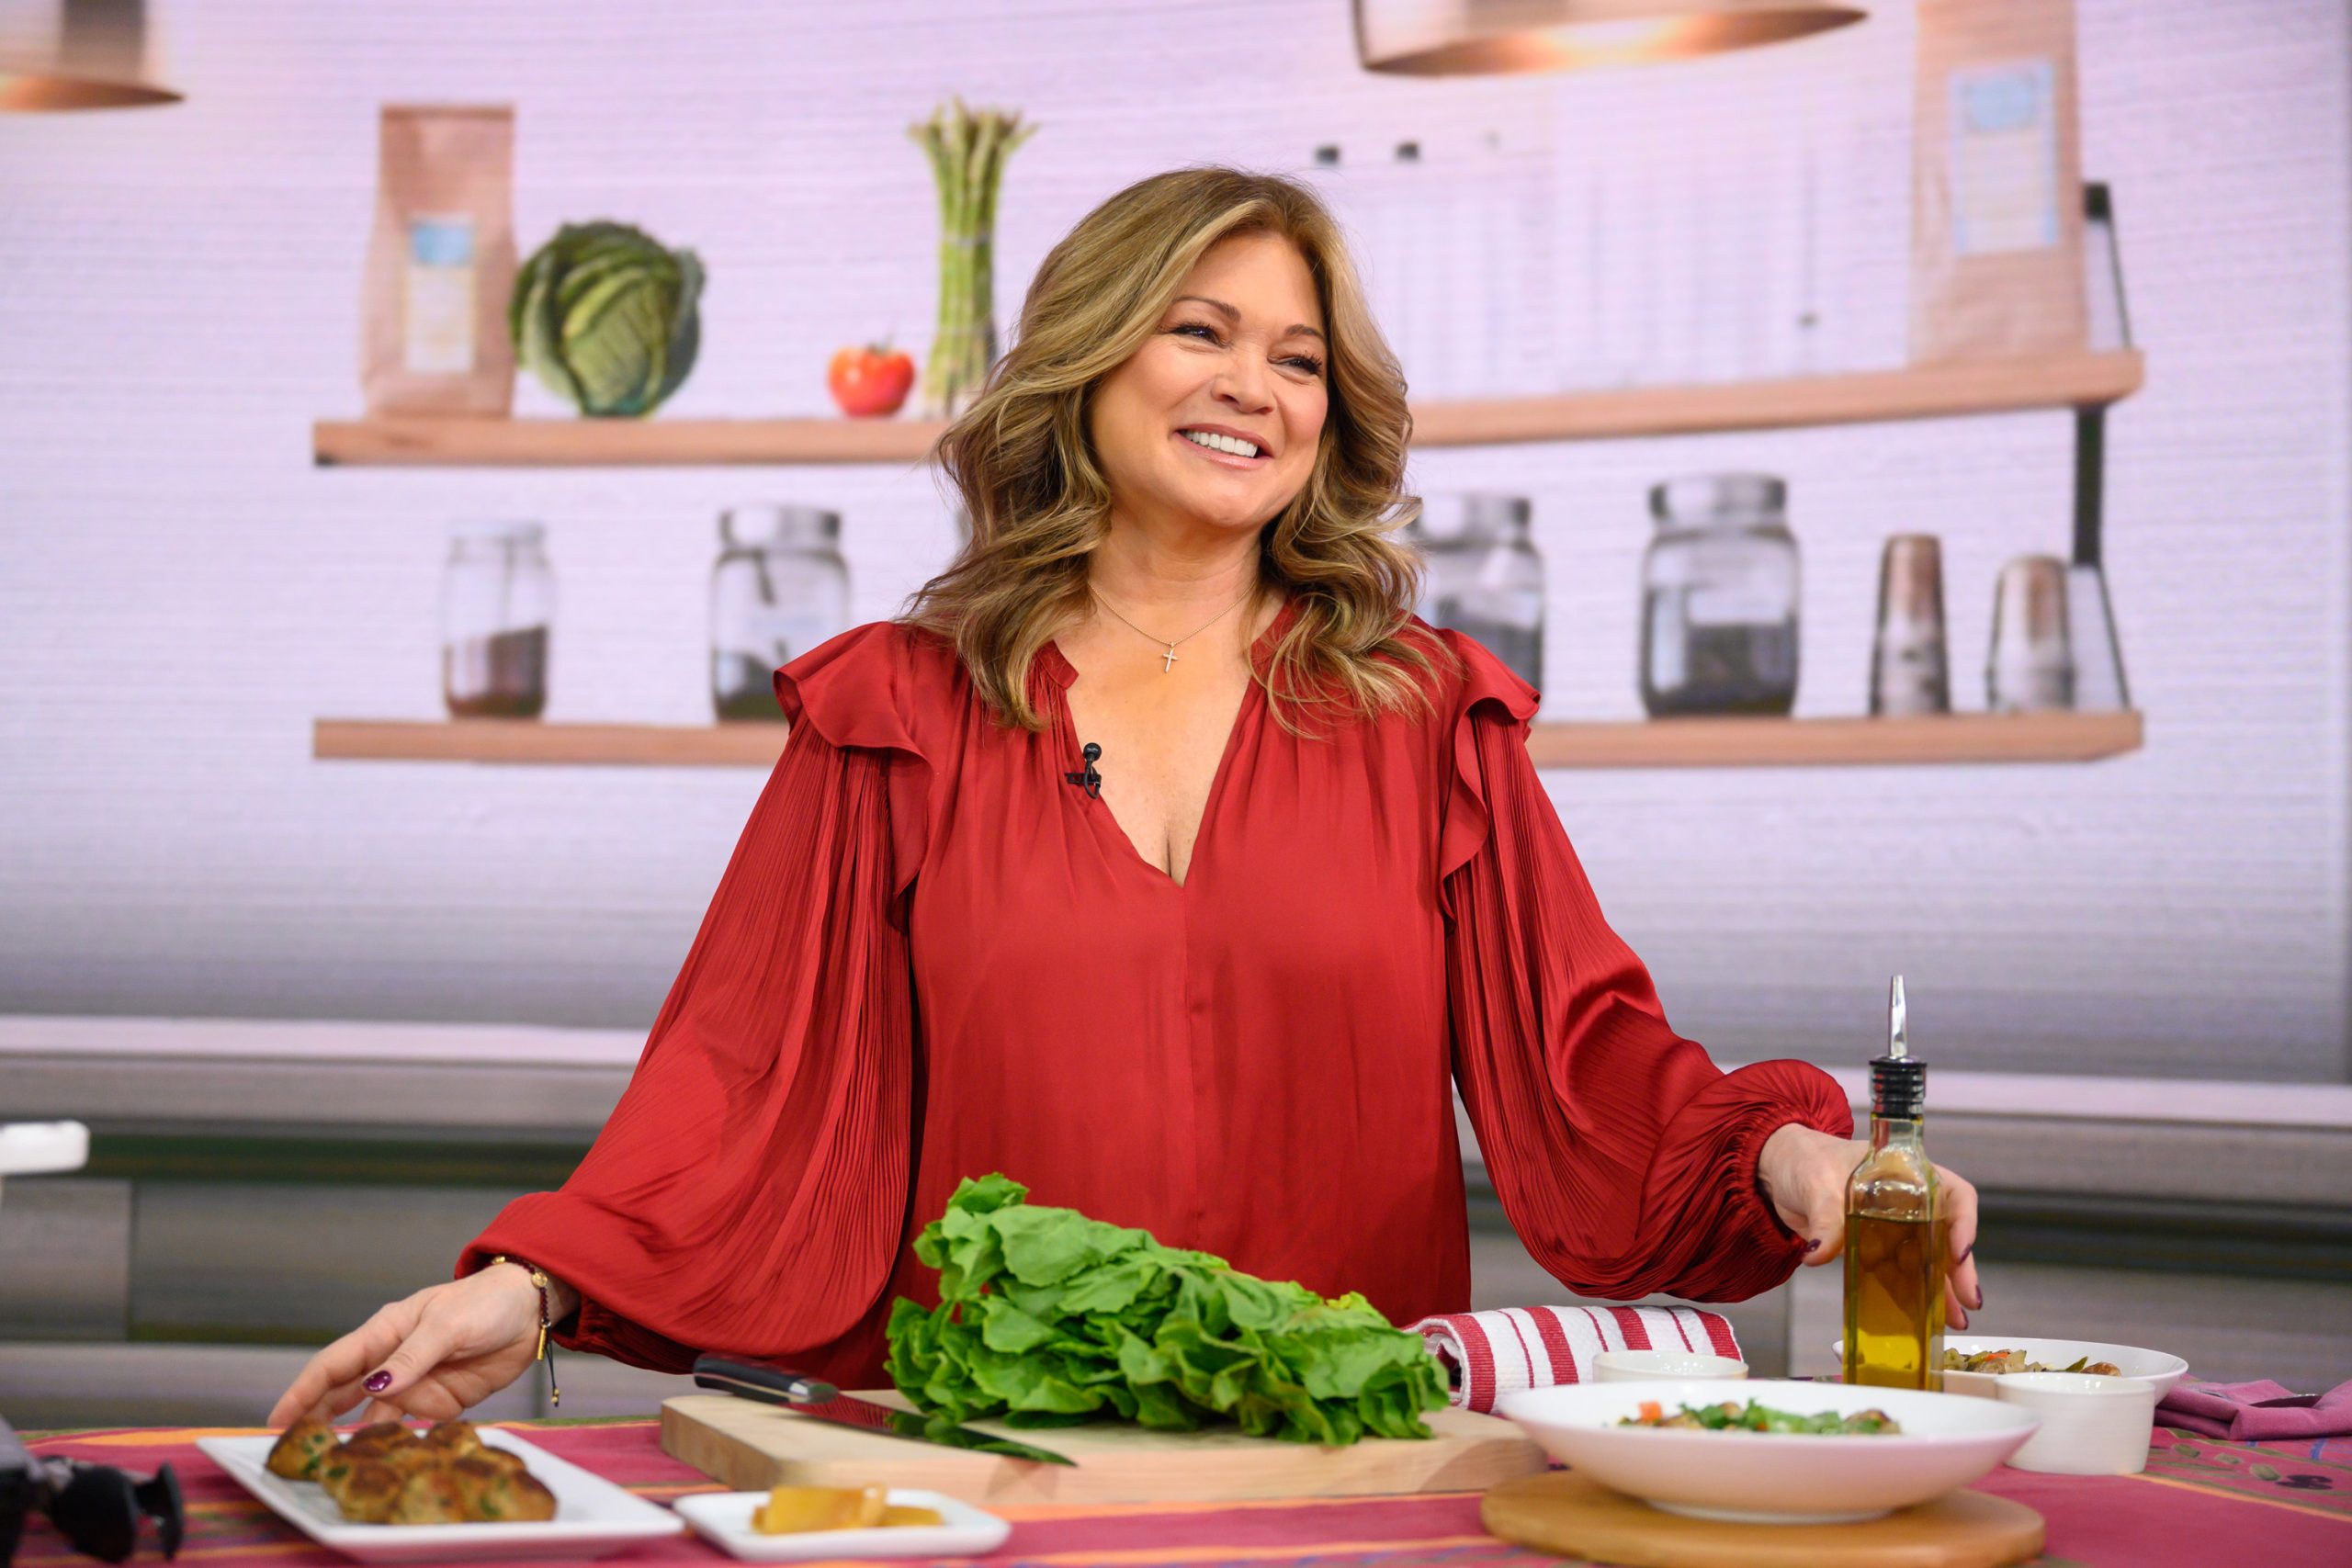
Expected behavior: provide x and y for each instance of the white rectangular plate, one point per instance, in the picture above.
(724, 1519)
(593, 1516)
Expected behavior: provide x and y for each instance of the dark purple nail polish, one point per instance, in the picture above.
(1963, 1320)
(1978, 1304)
(1812, 1246)
(1970, 1253)
(378, 1382)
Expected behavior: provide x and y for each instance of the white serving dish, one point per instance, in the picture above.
(2090, 1424)
(724, 1519)
(1766, 1477)
(1648, 1366)
(593, 1516)
(2129, 1360)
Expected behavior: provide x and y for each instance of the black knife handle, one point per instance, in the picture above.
(751, 1378)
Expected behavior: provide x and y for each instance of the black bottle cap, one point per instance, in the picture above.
(1898, 1087)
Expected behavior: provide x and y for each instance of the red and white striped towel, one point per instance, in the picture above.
(1493, 1353)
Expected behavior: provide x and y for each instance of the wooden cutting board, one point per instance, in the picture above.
(749, 1447)
(1563, 1512)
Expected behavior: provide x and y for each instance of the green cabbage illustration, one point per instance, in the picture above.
(605, 316)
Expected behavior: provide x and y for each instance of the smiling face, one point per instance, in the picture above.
(1214, 420)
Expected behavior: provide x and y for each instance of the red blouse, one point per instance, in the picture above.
(932, 958)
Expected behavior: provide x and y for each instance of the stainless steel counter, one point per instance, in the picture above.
(257, 1183)
(2217, 1141)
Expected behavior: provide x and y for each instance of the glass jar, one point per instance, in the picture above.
(1909, 672)
(1719, 598)
(1484, 576)
(2031, 666)
(497, 602)
(779, 589)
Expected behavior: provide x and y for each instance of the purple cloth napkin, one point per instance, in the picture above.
(2250, 1412)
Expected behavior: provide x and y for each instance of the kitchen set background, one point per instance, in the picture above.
(184, 593)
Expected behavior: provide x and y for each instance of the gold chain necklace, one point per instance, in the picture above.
(1167, 658)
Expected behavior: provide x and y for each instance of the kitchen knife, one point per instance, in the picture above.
(772, 1384)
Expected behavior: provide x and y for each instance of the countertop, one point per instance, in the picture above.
(2143, 1139)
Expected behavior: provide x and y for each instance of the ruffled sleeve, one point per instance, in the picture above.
(862, 690)
(1624, 1159)
(749, 1193)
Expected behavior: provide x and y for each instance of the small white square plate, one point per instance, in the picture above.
(724, 1519)
(593, 1516)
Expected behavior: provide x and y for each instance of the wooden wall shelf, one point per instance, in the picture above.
(1837, 742)
(1670, 743)
(1935, 392)
(1940, 391)
(616, 442)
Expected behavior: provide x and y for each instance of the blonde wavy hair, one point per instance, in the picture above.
(1039, 503)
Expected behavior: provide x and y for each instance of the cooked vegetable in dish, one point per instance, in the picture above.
(386, 1474)
(1998, 1361)
(1754, 1418)
(790, 1510)
(299, 1448)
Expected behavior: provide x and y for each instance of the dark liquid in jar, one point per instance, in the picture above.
(1519, 648)
(744, 689)
(501, 676)
(1725, 669)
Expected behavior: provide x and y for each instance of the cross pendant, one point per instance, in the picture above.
(1167, 660)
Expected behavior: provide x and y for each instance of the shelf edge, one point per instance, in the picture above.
(1961, 739)
(1858, 742)
(1958, 390)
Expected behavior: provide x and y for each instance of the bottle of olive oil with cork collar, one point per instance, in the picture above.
(1897, 1235)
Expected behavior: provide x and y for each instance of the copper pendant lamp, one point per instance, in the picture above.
(1492, 38)
(75, 54)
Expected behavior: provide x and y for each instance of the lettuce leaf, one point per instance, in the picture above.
(1047, 1318)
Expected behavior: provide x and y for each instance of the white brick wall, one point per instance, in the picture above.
(181, 593)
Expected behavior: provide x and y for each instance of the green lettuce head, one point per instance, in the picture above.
(607, 318)
(1046, 1319)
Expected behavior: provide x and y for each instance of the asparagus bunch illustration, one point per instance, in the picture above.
(967, 152)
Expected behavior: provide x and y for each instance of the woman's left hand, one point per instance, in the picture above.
(1804, 1174)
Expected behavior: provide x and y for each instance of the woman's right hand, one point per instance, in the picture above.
(442, 1350)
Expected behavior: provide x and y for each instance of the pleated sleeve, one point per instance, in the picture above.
(1624, 1159)
(749, 1192)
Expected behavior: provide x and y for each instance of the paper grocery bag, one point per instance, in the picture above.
(440, 263)
(1996, 246)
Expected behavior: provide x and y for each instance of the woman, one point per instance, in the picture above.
(1219, 982)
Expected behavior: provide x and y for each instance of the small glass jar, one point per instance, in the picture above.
(779, 589)
(2031, 668)
(497, 603)
(1719, 598)
(1909, 672)
(1484, 576)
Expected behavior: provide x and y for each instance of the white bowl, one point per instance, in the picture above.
(724, 1519)
(2090, 1424)
(1771, 1477)
(1648, 1366)
(2129, 1360)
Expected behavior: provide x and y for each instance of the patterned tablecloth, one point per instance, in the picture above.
(2202, 1502)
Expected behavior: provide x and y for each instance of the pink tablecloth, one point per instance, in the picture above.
(2202, 1502)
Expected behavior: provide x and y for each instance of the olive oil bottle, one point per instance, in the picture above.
(1897, 1233)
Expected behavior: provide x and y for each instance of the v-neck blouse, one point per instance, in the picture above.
(1058, 674)
(932, 957)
